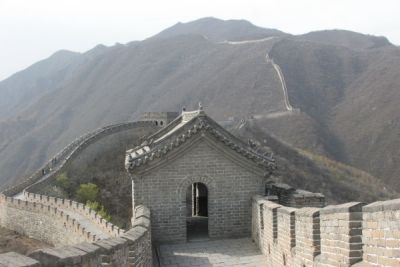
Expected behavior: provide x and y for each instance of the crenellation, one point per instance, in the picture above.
(308, 239)
(381, 233)
(349, 234)
(286, 236)
(20, 215)
(132, 247)
(257, 220)
(341, 230)
(76, 207)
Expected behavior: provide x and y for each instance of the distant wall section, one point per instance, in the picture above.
(159, 118)
(49, 170)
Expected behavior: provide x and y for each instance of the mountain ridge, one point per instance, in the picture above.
(349, 39)
(217, 30)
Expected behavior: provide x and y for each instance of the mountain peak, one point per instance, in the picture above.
(63, 53)
(218, 30)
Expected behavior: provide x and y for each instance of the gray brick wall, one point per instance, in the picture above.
(230, 189)
(41, 222)
(341, 230)
(349, 234)
(132, 248)
(381, 233)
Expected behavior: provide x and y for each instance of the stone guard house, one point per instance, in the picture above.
(192, 168)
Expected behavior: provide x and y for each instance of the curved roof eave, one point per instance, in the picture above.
(183, 129)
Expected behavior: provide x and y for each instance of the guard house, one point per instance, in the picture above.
(159, 118)
(197, 179)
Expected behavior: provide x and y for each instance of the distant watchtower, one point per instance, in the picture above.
(159, 118)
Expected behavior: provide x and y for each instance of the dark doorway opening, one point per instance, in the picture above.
(197, 212)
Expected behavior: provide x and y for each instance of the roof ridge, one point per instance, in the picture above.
(151, 150)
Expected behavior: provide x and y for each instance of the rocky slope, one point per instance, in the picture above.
(301, 169)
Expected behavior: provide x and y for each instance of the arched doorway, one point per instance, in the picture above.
(197, 212)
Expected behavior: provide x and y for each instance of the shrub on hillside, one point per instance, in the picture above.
(94, 205)
(63, 182)
(87, 192)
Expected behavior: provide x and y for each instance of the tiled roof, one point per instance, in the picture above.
(185, 127)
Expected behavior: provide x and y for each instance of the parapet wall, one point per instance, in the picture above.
(159, 118)
(132, 248)
(54, 166)
(349, 234)
(381, 233)
(69, 205)
(42, 222)
(296, 198)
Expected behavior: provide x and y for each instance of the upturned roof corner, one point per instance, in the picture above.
(185, 127)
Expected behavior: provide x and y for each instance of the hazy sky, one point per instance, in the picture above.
(31, 30)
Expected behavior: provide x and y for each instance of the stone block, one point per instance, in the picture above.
(60, 256)
(12, 259)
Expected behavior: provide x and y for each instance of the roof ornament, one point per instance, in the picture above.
(200, 106)
(183, 109)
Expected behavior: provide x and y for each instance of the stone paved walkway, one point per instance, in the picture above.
(228, 252)
(88, 224)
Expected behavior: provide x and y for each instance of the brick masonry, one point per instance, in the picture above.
(381, 233)
(230, 188)
(292, 197)
(341, 230)
(41, 222)
(350, 234)
(76, 207)
(75, 246)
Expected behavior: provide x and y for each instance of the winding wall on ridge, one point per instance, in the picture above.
(53, 167)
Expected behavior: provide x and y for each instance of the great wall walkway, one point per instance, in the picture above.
(249, 41)
(278, 70)
(288, 107)
(50, 169)
(228, 252)
(84, 221)
(87, 224)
